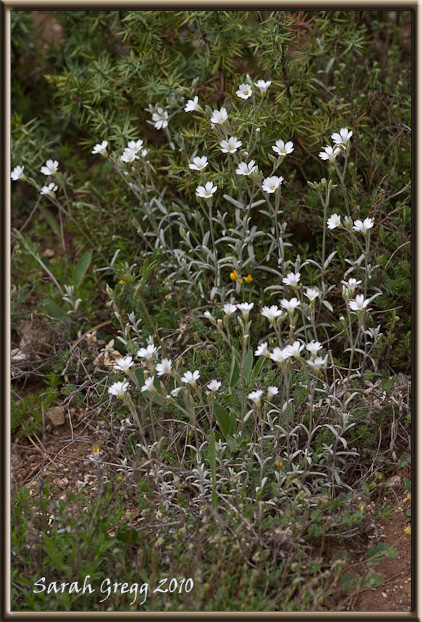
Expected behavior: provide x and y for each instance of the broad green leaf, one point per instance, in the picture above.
(247, 367)
(258, 367)
(53, 310)
(234, 372)
(81, 268)
(51, 220)
(223, 419)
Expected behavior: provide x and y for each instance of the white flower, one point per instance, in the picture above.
(283, 149)
(164, 367)
(246, 169)
(147, 353)
(270, 184)
(208, 315)
(314, 347)
(329, 153)
(199, 163)
(50, 167)
(262, 350)
(244, 91)
(295, 349)
(18, 173)
(49, 190)
(175, 392)
(231, 145)
(192, 104)
(292, 278)
(191, 378)
(359, 303)
(317, 362)
(219, 116)
(364, 226)
(280, 355)
(245, 308)
(229, 309)
(214, 385)
(206, 192)
(271, 391)
(262, 85)
(271, 313)
(343, 137)
(123, 364)
(101, 148)
(135, 145)
(149, 385)
(255, 397)
(334, 221)
(160, 118)
(118, 389)
(129, 155)
(311, 293)
(290, 305)
(351, 285)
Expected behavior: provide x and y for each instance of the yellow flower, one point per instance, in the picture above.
(240, 280)
(122, 282)
(249, 278)
(278, 462)
(408, 530)
(233, 275)
(96, 449)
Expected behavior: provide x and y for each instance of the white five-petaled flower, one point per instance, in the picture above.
(271, 391)
(192, 104)
(214, 385)
(343, 137)
(191, 378)
(123, 364)
(292, 278)
(219, 116)
(359, 304)
(314, 347)
(283, 149)
(262, 350)
(206, 192)
(363, 227)
(50, 167)
(199, 163)
(245, 308)
(271, 313)
(246, 168)
(18, 173)
(311, 293)
(135, 145)
(101, 148)
(281, 355)
(229, 309)
(164, 367)
(270, 184)
(244, 91)
(329, 153)
(317, 362)
(351, 285)
(255, 397)
(129, 155)
(149, 385)
(49, 190)
(262, 85)
(209, 316)
(334, 221)
(147, 353)
(231, 145)
(175, 392)
(295, 349)
(160, 118)
(118, 389)
(290, 305)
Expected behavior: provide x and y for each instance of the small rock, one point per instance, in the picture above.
(56, 416)
(384, 594)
